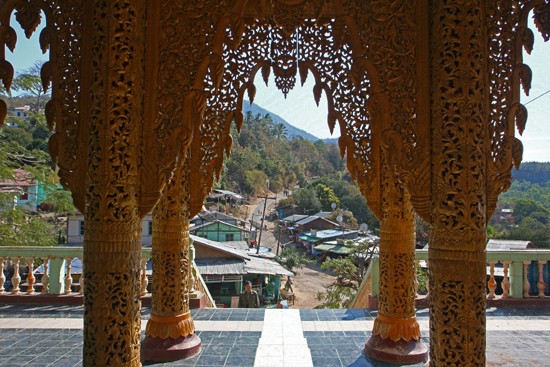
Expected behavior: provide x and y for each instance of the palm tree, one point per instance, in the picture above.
(280, 131)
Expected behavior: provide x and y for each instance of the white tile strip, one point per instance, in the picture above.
(278, 328)
(361, 325)
(282, 342)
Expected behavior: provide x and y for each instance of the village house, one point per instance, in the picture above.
(225, 268)
(26, 191)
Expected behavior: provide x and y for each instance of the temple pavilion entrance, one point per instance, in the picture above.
(425, 95)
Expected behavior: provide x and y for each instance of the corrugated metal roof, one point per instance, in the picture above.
(503, 245)
(229, 193)
(220, 247)
(220, 267)
(323, 214)
(208, 224)
(508, 244)
(337, 249)
(258, 265)
(294, 218)
(313, 218)
(329, 233)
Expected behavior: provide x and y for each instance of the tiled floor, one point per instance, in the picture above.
(51, 336)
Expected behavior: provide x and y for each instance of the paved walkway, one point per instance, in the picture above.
(51, 336)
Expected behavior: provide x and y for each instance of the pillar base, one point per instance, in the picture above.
(165, 350)
(400, 352)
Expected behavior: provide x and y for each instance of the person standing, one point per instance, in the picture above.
(249, 298)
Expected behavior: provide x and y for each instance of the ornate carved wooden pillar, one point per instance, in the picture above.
(396, 334)
(170, 332)
(459, 113)
(112, 238)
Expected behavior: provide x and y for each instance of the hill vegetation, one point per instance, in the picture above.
(314, 172)
(24, 155)
(529, 199)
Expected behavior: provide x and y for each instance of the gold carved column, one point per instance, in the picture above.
(396, 334)
(112, 238)
(459, 111)
(170, 332)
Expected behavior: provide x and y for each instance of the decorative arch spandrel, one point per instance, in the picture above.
(508, 36)
(349, 80)
(62, 36)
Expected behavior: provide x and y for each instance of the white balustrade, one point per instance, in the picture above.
(492, 284)
(68, 278)
(30, 276)
(45, 277)
(81, 281)
(416, 284)
(526, 284)
(428, 281)
(541, 285)
(144, 280)
(16, 278)
(505, 280)
(2, 276)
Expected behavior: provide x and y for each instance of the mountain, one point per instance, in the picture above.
(331, 141)
(290, 130)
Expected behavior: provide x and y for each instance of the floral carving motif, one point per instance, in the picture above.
(28, 16)
(542, 19)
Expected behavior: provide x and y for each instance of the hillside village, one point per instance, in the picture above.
(316, 210)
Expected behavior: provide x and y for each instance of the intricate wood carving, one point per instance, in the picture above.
(396, 317)
(338, 66)
(170, 292)
(459, 200)
(112, 239)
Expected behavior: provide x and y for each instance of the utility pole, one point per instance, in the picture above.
(278, 239)
(262, 220)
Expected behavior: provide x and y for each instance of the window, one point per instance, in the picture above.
(229, 237)
(81, 228)
(150, 228)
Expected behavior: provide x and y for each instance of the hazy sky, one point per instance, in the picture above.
(300, 110)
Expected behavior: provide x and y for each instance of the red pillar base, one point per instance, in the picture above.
(165, 350)
(400, 352)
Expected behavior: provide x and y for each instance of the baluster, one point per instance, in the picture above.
(144, 280)
(526, 284)
(45, 278)
(81, 279)
(492, 284)
(506, 280)
(2, 276)
(16, 278)
(541, 285)
(30, 277)
(416, 284)
(68, 278)
(427, 281)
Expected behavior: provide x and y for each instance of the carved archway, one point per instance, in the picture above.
(125, 113)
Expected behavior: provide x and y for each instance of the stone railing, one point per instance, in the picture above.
(524, 273)
(61, 271)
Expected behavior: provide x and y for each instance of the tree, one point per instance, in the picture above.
(349, 272)
(302, 180)
(306, 199)
(326, 197)
(291, 260)
(524, 207)
(31, 82)
(18, 226)
(280, 131)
